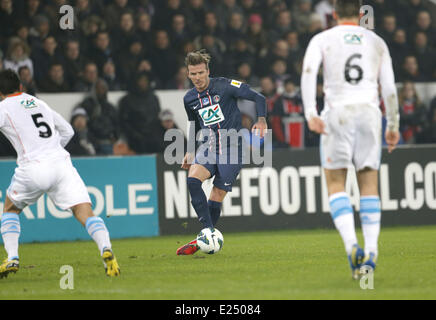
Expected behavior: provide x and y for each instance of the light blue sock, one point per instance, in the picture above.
(10, 230)
(343, 218)
(98, 232)
(370, 217)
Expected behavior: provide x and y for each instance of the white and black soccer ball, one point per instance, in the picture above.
(210, 240)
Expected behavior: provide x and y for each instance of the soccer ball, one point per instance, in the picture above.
(210, 240)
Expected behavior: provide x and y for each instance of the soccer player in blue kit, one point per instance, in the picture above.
(212, 106)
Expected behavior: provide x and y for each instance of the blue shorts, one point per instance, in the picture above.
(225, 173)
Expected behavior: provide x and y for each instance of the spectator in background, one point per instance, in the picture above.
(84, 9)
(130, 58)
(18, 56)
(55, 81)
(164, 16)
(179, 32)
(8, 16)
(166, 122)
(27, 80)
(287, 117)
(194, 13)
(256, 35)
(250, 7)
(143, 29)
(280, 50)
(113, 11)
(314, 28)
(163, 58)
(88, 79)
(81, 143)
(211, 25)
(388, 28)
(399, 50)
(125, 32)
(235, 56)
(410, 70)
(138, 114)
(301, 15)
(295, 52)
(235, 29)
(269, 91)
(412, 113)
(283, 25)
(244, 74)
(101, 51)
(44, 58)
(224, 10)
(424, 54)
(145, 6)
(39, 31)
(215, 47)
(102, 118)
(429, 133)
(424, 24)
(32, 9)
(270, 10)
(180, 80)
(90, 27)
(22, 32)
(279, 74)
(146, 67)
(74, 62)
(110, 76)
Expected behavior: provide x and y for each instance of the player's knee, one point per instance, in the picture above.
(10, 207)
(217, 194)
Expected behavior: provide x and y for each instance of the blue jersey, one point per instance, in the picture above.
(216, 107)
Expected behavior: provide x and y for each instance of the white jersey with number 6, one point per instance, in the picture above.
(355, 61)
(35, 130)
(39, 136)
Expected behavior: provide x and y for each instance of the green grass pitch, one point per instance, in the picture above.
(259, 265)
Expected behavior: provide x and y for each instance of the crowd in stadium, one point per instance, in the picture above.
(139, 46)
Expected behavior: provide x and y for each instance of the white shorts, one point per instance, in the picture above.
(58, 178)
(354, 137)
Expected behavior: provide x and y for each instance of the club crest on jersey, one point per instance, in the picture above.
(211, 115)
(353, 38)
(28, 103)
(205, 101)
(216, 98)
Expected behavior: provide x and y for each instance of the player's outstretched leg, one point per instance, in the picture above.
(342, 214)
(97, 230)
(199, 202)
(370, 217)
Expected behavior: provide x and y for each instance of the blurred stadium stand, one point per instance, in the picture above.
(123, 55)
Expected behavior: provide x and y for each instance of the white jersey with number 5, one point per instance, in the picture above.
(354, 61)
(39, 135)
(35, 130)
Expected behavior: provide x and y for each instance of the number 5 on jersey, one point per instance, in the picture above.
(43, 134)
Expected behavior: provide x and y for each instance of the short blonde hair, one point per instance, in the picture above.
(197, 57)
